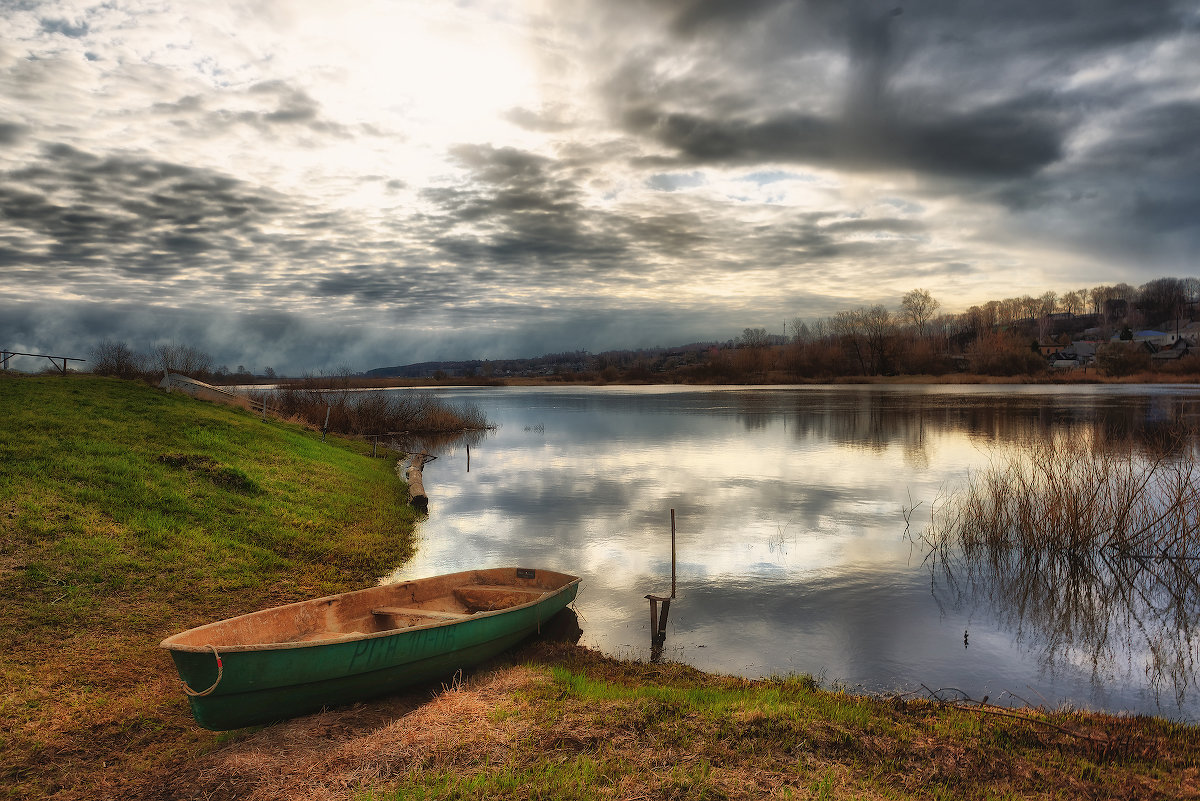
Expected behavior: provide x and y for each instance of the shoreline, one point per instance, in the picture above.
(358, 383)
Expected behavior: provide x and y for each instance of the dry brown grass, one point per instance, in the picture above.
(1076, 492)
(373, 413)
(338, 754)
(667, 731)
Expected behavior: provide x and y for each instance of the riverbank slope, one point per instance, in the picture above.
(128, 514)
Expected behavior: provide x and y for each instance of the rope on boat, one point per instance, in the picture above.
(220, 673)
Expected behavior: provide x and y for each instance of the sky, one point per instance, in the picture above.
(313, 185)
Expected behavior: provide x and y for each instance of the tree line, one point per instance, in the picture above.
(115, 358)
(999, 337)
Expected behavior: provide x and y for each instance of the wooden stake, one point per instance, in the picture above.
(672, 553)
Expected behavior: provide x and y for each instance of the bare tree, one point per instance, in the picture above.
(1008, 311)
(800, 330)
(754, 338)
(754, 350)
(1045, 329)
(848, 326)
(183, 359)
(1029, 307)
(879, 327)
(975, 319)
(991, 314)
(1163, 299)
(116, 359)
(1048, 303)
(919, 307)
(1074, 302)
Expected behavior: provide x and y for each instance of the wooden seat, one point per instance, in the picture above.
(504, 588)
(393, 611)
(493, 597)
(327, 635)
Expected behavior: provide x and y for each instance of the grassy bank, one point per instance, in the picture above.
(128, 514)
(561, 722)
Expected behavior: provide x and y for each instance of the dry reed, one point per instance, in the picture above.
(373, 413)
(1075, 493)
(1085, 546)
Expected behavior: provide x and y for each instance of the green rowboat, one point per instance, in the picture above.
(294, 659)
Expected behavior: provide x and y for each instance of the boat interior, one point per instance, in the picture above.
(421, 602)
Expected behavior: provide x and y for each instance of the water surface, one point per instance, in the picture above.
(794, 553)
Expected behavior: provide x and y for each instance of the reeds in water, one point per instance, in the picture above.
(1086, 546)
(1077, 493)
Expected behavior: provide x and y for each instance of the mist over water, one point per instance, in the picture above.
(794, 552)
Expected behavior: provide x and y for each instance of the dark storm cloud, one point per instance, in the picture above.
(1134, 193)
(12, 132)
(979, 101)
(998, 142)
(519, 221)
(695, 15)
(900, 107)
(1155, 158)
(283, 108)
(1071, 24)
(536, 120)
(73, 30)
(518, 208)
(138, 217)
(1164, 133)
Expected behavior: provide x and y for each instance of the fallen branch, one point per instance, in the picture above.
(416, 481)
(968, 704)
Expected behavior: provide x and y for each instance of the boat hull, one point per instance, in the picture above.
(265, 682)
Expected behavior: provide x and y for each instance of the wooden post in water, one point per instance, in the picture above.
(672, 553)
(658, 624)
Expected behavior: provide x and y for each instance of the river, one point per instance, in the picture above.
(796, 509)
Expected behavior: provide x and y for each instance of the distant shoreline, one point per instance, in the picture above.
(356, 382)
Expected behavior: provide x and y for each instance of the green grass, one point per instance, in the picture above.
(588, 727)
(128, 514)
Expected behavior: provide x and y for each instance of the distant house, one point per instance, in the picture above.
(1084, 350)
(1077, 354)
(1176, 350)
(1159, 339)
